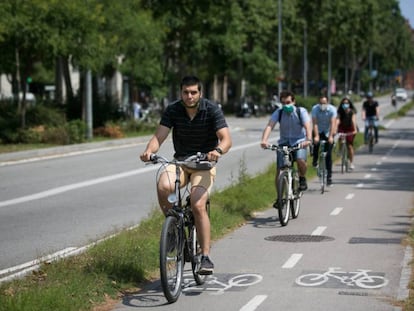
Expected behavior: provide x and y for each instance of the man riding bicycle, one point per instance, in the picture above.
(324, 128)
(198, 125)
(370, 114)
(295, 128)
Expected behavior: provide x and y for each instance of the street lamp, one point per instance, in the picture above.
(279, 19)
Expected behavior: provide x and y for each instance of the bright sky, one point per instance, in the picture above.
(407, 10)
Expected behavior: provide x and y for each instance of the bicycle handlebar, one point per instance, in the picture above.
(197, 161)
(284, 148)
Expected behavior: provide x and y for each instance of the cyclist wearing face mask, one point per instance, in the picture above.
(346, 123)
(324, 128)
(295, 128)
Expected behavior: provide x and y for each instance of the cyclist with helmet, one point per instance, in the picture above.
(370, 114)
(346, 123)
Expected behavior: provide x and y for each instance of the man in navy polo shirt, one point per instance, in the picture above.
(198, 125)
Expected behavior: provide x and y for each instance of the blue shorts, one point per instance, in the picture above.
(298, 154)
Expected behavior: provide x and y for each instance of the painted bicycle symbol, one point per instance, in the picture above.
(360, 278)
(217, 287)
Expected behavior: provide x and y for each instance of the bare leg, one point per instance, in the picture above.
(199, 197)
(165, 187)
(301, 167)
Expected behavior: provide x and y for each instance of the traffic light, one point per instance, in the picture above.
(29, 80)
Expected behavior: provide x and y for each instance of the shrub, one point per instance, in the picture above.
(76, 131)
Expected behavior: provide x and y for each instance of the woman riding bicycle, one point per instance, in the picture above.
(347, 125)
(295, 128)
(198, 126)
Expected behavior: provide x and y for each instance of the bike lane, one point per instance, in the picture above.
(358, 224)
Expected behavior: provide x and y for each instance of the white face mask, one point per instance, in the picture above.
(324, 107)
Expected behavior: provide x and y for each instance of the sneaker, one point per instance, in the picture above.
(206, 266)
(302, 184)
(329, 182)
(315, 164)
(351, 166)
(276, 204)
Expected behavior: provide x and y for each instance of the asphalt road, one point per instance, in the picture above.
(60, 199)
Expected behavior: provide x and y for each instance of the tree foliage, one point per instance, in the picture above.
(155, 42)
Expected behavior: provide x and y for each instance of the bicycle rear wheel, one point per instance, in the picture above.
(171, 259)
(195, 250)
(283, 198)
(295, 202)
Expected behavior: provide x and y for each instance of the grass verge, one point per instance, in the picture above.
(122, 264)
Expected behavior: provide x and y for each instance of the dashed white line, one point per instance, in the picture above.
(319, 230)
(292, 261)
(336, 211)
(254, 303)
(367, 176)
(349, 196)
(360, 185)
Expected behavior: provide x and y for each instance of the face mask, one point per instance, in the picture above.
(324, 107)
(288, 108)
(345, 106)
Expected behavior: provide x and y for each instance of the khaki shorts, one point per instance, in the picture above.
(203, 179)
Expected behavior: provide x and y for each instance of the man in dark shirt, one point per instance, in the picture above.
(198, 125)
(370, 114)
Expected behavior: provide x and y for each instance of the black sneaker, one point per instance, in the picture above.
(206, 266)
(315, 164)
(329, 181)
(302, 184)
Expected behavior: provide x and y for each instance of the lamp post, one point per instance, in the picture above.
(279, 19)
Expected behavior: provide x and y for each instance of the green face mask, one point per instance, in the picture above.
(288, 108)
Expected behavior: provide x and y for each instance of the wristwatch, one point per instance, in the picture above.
(218, 149)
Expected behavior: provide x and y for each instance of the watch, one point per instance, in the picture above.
(218, 149)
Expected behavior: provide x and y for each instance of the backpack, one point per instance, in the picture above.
(297, 112)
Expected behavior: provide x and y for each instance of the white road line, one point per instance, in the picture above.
(360, 185)
(374, 169)
(319, 230)
(336, 211)
(70, 187)
(378, 163)
(254, 303)
(367, 176)
(292, 261)
(349, 196)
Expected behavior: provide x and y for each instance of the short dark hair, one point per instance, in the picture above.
(190, 80)
(285, 94)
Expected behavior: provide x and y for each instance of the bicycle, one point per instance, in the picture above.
(322, 171)
(288, 200)
(178, 240)
(343, 151)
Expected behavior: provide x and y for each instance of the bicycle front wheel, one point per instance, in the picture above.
(283, 198)
(371, 142)
(344, 158)
(295, 202)
(322, 174)
(171, 259)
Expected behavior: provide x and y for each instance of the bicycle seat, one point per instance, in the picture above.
(201, 165)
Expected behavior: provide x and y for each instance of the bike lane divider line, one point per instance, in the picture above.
(319, 230)
(349, 196)
(360, 185)
(367, 176)
(292, 261)
(336, 211)
(254, 303)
